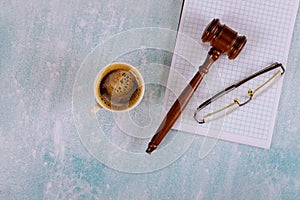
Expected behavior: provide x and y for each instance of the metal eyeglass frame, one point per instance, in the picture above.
(236, 85)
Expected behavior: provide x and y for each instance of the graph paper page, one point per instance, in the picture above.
(268, 26)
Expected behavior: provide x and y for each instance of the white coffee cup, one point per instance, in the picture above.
(118, 87)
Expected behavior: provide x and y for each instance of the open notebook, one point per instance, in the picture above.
(268, 26)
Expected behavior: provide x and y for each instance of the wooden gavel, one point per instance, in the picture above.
(223, 41)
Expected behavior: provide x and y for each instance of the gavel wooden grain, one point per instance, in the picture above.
(223, 40)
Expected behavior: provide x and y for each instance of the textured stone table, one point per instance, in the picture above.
(42, 45)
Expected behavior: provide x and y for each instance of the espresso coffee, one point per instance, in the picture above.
(119, 87)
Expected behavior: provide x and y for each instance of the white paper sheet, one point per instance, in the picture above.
(268, 26)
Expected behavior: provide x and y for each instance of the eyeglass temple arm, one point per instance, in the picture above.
(269, 68)
(236, 85)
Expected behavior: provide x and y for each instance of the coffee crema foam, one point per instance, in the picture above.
(119, 87)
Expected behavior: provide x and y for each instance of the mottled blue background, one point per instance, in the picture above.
(43, 43)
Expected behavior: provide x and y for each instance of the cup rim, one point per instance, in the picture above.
(96, 83)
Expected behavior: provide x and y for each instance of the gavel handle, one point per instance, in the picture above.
(175, 111)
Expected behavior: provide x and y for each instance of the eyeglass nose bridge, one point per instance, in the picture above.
(250, 94)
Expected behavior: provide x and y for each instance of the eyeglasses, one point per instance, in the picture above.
(236, 101)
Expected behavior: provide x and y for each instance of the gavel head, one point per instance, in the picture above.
(223, 40)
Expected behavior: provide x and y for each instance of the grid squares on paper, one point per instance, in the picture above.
(268, 26)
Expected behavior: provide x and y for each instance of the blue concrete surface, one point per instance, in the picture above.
(42, 45)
